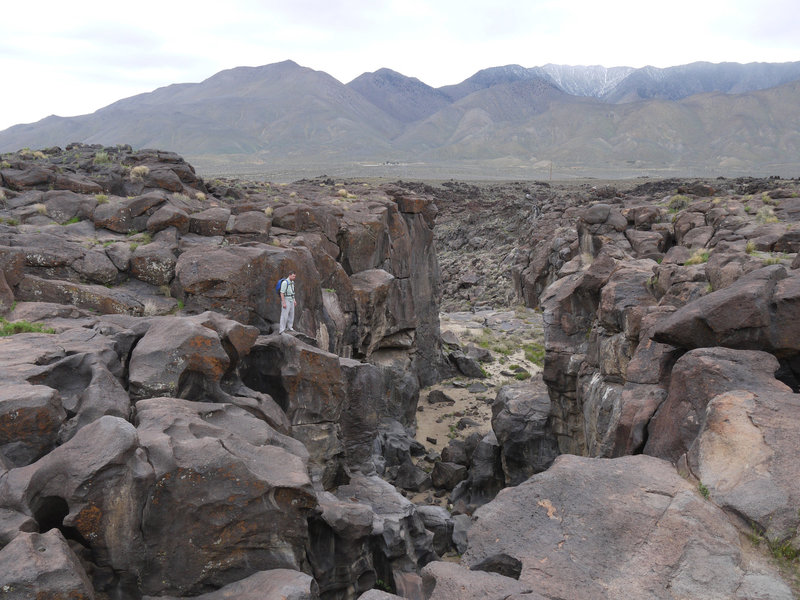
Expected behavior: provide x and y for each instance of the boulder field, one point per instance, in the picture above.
(160, 439)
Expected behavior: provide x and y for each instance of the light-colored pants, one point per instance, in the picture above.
(287, 316)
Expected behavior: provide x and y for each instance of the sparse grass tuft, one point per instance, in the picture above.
(703, 489)
(750, 247)
(139, 172)
(765, 214)
(101, 198)
(101, 158)
(535, 353)
(699, 257)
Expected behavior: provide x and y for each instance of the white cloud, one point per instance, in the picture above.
(67, 61)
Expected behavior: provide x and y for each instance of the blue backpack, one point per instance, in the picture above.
(278, 285)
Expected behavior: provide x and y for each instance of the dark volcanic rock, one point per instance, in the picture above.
(520, 420)
(37, 565)
(697, 377)
(30, 417)
(447, 475)
(612, 528)
(256, 498)
(449, 581)
(93, 489)
(758, 312)
(743, 454)
(277, 583)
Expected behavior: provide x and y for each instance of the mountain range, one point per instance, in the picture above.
(725, 118)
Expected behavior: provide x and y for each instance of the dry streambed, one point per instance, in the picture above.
(510, 348)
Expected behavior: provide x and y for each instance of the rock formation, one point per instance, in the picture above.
(159, 439)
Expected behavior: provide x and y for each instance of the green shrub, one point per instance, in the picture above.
(750, 248)
(12, 328)
(678, 202)
(101, 198)
(101, 157)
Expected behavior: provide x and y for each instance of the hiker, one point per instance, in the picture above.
(287, 303)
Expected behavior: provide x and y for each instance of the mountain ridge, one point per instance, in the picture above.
(700, 114)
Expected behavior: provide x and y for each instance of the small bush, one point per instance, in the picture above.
(72, 221)
(268, 211)
(9, 328)
(101, 198)
(200, 196)
(678, 202)
(101, 158)
(750, 248)
(522, 376)
(40, 208)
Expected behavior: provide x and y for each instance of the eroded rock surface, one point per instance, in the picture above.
(609, 528)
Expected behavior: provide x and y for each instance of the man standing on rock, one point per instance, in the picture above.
(287, 303)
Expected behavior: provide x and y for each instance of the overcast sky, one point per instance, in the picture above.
(71, 58)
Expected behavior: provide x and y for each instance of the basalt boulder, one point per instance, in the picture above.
(520, 421)
(92, 488)
(276, 583)
(42, 565)
(697, 377)
(743, 454)
(609, 528)
(231, 496)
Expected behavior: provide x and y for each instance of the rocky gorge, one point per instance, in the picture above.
(160, 439)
